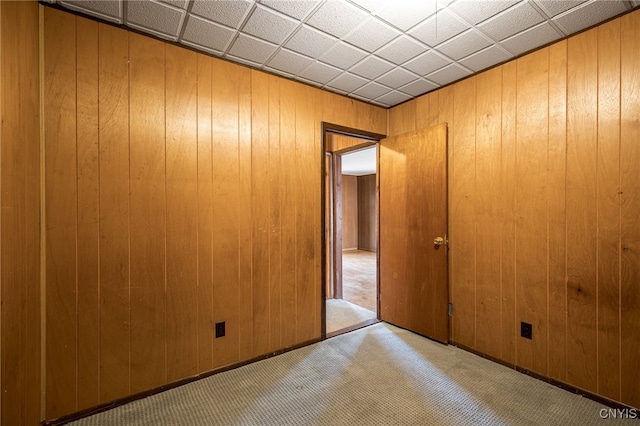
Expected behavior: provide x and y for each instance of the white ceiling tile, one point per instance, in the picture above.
(530, 39)
(370, 5)
(448, 74)
(476, 11)
(393, 98)
(228, 12)
(343, 55)
(310, 42)
(556, 7)
(418, 87)
(177, 3)
(486, 58)
(269, 25)
(109, 10)
(372, 90)
(252, 49)
(320, 73)
(207, 34)
(404, 14)
(242, 61)
(372, 35)
(157, 17)
(371, 67)
(336, 18)
(464, 44)
(401, 50)
(310, 82)
(438, 28)
(512, 21)
(425, 63)
(298, 9)
(347, 82)
(588, 14)
(290, 62)
(396, 77)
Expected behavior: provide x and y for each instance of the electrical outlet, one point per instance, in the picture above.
(220, 329)
(526, 330)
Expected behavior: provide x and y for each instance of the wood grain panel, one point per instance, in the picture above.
(487, 210)
(307, 194)
(582, 107)
(556, 166)
(20, 219)
(288, 213)
(113, 98)
(422, 111)
(462, 214)
(245, 288)
(367, 213)
(182, 209)
(148, 215)
(260, 202)
(225, 210)
(275, 212)
(343, 143)
(205, 216)
(349, 212)
(630, 206)
(508, 213)
(402, 118)
(61, 214)
(88, 214)
(531, 203)
(608, 213)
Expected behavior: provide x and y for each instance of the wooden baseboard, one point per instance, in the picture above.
(118, 402)
(560, 384)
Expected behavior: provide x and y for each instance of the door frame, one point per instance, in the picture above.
(368, 137)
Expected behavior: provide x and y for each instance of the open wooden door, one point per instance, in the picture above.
(413, 227)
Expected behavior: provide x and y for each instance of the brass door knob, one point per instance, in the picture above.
(438, 241)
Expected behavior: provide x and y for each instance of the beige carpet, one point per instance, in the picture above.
(378, 375)
(342, 314)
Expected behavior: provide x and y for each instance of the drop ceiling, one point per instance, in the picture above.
(379, 51)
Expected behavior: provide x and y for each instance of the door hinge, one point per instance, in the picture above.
(450, 309)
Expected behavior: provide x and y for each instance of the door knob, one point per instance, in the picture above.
(438, 241)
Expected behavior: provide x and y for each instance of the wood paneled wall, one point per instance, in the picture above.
(181, 191)
(545, 198)
(367, 213)
(349, 212)
(19, 214)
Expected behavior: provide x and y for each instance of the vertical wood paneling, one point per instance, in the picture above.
(630, 206)
(367, 213)
(531, 215)
(148, 215)
(462, 216)
(245, 289)
(556, 175)
(275, 211)
(508, 214)
(608, 202)
(225, 210)
(205, 216)
(182, 208)
(349, 212)
(288, 212)
(20, 304)
(307, 194)
(113, 102)
(88, 214)
(402, 119)
(582, 107)
(260, 202)
(61, 213)
(487, 209)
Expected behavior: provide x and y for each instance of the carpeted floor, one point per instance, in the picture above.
(342, 314)
(378, 375)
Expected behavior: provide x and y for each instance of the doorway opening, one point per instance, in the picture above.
(351, 284)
